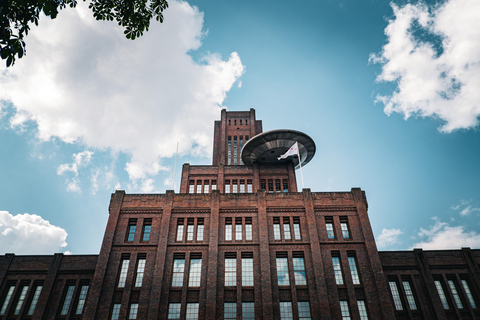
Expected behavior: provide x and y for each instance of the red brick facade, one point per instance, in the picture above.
(245, 252)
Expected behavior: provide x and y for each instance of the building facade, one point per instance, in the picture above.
(241, 242)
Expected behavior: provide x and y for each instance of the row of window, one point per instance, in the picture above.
(331, 230)
(337, 268)
(202, 186)
(192, 224)
(132, 229)
(278, 186)
(140, 270)
(235, 145)
(132, 313)
(285, 224)
(238, 185)
(238, 229)
(235, 123)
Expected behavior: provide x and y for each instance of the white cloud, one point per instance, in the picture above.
(443, 236)
(432, 83)
(81, 159)
(83, 82)
(29, 234)
(465, 208)
(388, 237)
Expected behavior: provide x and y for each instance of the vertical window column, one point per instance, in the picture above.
(304, 310)
(229, 310)
(238, 229)
(228, 229)
(195, 270)
(200, 229)
(133, 311)
(235, 150)
(35, 298)
(132, 227)
(174, 310)
(270, 186)
(299, 269)
(192, 311)
(441, 294)
(241, 147)
(362, 310)
(142, 260)
(247, 269)
(82, 298)
(190, 228)
(67, 300)
(21, 300)
(456, 296)
(470, 298)
(229, 162)
(178, 269)
(344, 227)
(286, 228)
(345, 310)
(230, 269)
(296, 228)
(147, 228)
(276, 228)
(286, 311)
(122, 278)
(337, 268)
(395, 294)
(353, 268)
(8, 297)
(409, 293)
(282, 269)
(329, 227)
(248, 229)
(180, 229)
(248, 311)
(116, 311)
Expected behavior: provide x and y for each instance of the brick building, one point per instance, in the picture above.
(240, 242)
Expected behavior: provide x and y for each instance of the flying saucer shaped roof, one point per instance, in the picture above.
(266, 147)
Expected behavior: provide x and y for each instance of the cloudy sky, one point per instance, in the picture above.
(388, 91)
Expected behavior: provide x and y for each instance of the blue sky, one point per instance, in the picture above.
(388, 91)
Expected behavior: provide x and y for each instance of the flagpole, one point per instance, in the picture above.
(300, 162)
(174, 168)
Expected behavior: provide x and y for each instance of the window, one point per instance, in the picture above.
(277, 186)
(276, 228)
(304, 310)
(140, 272)
(238, 229)
(249, 186)
(190, 227)
(229, 310)
(230, 270)
(344, 227)
(234, 184)
(235, 149)
(199, 186)
(214, 185)
(8, 297)
(147, 228)
(206, 186)
(247, 270)
(34, 302)
(133, 311)
(116, 311)
(345, 310)
(296, 228)
(68, 300)
(229, 150)
(270, 186)
(456, 297)
(195, 272)
(441, 294)
(263, 185)
(81, 299)
(248, 229)
(337, 270)
(299, 270)
(409, 293)
(228, 229)
(227, 186)
(282, 271)
(286, 228)
(21, 300)
(468, 293)
(241, 146)
(285, 186)
(192, 311)
(395, 295)
(123, 273)
(242, 186)
(286, 311)
(353, 270)
(362, 310)
(200, 229)
(329, 227)
(179, 229)
(132, 226)
(248, 311)
(191, 188)
(174, 310)
(178, 270)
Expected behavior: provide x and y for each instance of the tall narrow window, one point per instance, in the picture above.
(249, 186)
(132, 226)
(206, 186)
(230, 270)
(282, 272)
(247, 269)
(277, 186)
(234, 186)
(270, 186)
(304, 310)
(299, 269)
(178, 271)
(441, 294)
(395, 295)
(195, 272)
(353, 270)
(235, 150)
(199, 186)
(191, 187)
(21, 300)
(214, 185)
(238, 229)
(190, 227)
(242, 186)
(286, 228)
(263, 185)
(241, 146)
(456, 297)
(362, 310)
(329, 227)
(200, 229)
(140, 272)
(337, 270)
(8, 297)
(133, 311)
(229, 151)
(285, 186)
(286, 311)
(248, 311)
(116, 311)
(469, 294)
(67, 301)
(276, 228)
(229, 310)
(296, 228)
(147, 228)
(180, 229)
(409, 293)
(123, 273)
(345, 310)
(174, 310)
(34, 302)
(192, 311)
(81, 299)
(228, 229)
(344, 227)
(248, 229)
(227, 186)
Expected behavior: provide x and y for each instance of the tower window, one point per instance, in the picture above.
(178, 270)
(282, 270)
(174, 310)
(468, 293)
(230, 269)
(133, 311)
(34, 302)
(200, 229)
(285, 185)
(191, 188)
(21, 300)
(286, 311)
(206, 186)
(362, 310)
(180, 229)
(299, 269)
(270, 186)
(81, 299)
(192, 311)
(195, 271)
(296, 228)
(238, 229)
(248, 310)
(132, 227)
(276, 228)
(116, 311)
(229, 310)
(67, 300)
(249, 186)
(190, 228)
(395, 295)
(277, 186)
(214, 184)
(286, 228)
(304, 310)
(123, 273)
(329, 227)
(441, 294)
(409, 293)
(199, 186)
(353, 269)
(345, 310)
(234, 186)
(337, 270)
(228, 229)
(147, 228)
(456, 297)
(140, 271)
(344, 227)
(242, 186)
(248, 229)
(8, 297)
(227, 186)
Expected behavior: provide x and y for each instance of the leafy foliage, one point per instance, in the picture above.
(16, 16)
